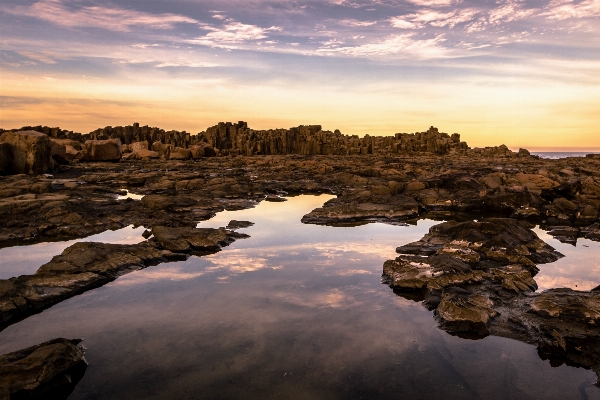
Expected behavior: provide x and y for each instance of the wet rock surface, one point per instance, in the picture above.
(50, 370)
(477, 277)
(87, 265)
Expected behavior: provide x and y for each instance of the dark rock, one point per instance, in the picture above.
(81, 267)
(200, 239)
(5, 158)
(235, 224)
(50, 370)
(478, 279)
(30, 152)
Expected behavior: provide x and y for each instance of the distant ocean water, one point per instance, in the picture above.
(561, 154)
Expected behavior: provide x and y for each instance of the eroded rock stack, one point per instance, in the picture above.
(312, 140)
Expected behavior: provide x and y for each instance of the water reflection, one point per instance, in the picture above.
(129, 195)
(579, 269)
(25, 260)
(295, 311)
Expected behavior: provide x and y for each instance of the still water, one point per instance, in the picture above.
(294, 312)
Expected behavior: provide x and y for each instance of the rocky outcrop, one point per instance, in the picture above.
(103, 150)
(29, 152)
(238, 139)
(50, 370)
(477, 276)
(86, 265)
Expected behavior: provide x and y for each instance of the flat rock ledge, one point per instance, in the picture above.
(50, 370)
(87, 265)
(477, 277)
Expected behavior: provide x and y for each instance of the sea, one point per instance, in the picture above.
(555, 155)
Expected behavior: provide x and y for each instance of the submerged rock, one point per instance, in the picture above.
(50, 370)
(477, 276)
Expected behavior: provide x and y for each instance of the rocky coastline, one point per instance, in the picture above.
(475, 272)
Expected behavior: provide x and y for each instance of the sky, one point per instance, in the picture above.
(525, 73)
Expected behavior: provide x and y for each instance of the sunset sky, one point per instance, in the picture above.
(523, 73)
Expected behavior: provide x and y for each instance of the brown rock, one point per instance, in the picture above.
(103, 150)
(30, 150)
(48, 370)
(199, 239)
(179, 153)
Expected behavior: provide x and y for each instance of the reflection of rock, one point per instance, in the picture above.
(478, 277)
(201, 239)
(86, 265)
(48, 370)
(235, 224)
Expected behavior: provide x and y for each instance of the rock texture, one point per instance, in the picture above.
(477, 276)
(86, 265)
(47, 371)
(103, 150)
(29, 152)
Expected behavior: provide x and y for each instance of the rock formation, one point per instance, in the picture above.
(86, 265)
(29, 152)
(47, 371)
(478, 278)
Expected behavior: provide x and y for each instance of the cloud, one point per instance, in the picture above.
(232, 34)
(565, 9)
(433, 18)
(404, 45)
(111, 18)
(355, 22)
(435, 3)
(43, 58)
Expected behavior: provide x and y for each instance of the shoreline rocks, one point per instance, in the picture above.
(477, 277)
(48, 370)
(87, 265)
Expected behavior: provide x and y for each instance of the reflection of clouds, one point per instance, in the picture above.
(236, 262)
(337, 250)
(25, 260)
(580, 266)
(161, 274)
(550, 282)
(332, 298)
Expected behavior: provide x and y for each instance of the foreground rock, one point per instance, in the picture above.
(87, 265)
(46, 371)
(478, 278)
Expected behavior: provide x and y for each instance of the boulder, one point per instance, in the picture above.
(103, 150)
(5, 158)
(202, 149)
(142, 154)
(136, 147)
(179, 153)
(48, 370)
(30, 150)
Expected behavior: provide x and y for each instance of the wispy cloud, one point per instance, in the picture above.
(111, 18)
(404, 45)
(232, 34)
